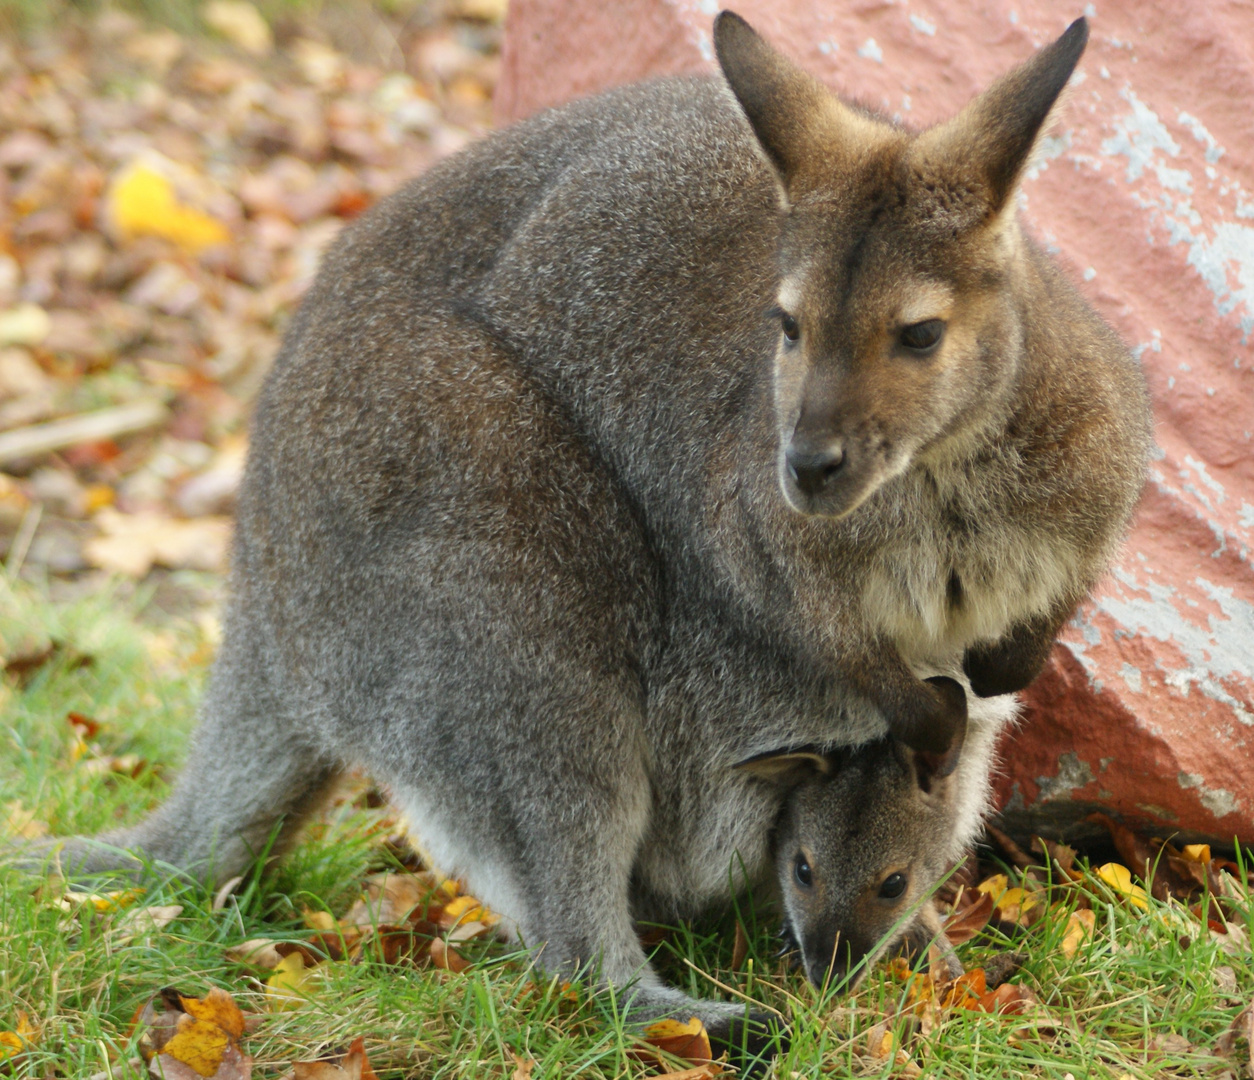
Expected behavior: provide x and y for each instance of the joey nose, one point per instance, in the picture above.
(812, 471)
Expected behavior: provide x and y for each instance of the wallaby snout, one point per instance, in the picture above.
(814, 470)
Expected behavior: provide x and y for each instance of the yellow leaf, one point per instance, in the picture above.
(1080, 928)
(1016, 898)
(1196, 852)
(142, 202)
(322, 921)
(1120, 879)
(466, 909)
(14, 1042)
(994, 886)
(98, 496)
(240, 23)
(18, 821)
(198, 1044)
(289, 986)
(101, 902)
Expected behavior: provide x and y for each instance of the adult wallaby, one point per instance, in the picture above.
(655, 434)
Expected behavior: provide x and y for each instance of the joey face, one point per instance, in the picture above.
(896, 337)
(859, 846)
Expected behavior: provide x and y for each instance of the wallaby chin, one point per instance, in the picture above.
(511, 534)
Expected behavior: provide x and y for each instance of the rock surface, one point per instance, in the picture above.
(1145, 192)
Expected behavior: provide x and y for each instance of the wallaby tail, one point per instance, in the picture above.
(250, 779)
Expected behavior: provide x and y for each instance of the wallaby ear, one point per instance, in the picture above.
(995, 134)
(787, 767)
(932, 766)
(799, 123)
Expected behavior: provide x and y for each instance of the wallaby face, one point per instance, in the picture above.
(863, 839)
(896, 334)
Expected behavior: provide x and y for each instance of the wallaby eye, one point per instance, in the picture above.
(805, 878)
(789, 325)
(893, 886)
(921, 336)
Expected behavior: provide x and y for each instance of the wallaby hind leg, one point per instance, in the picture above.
(249, 780)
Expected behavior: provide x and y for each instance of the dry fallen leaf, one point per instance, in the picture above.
(972, 911)
(740, 947)
(189, 1038)
(354, 1065)
(1120, 880)
(522, 1068)
(258, 953)
(143, 921)
(241, 24)
(688, 1041)
(1080, 926)
(132, 544)
(142, 202)
(19, 822)
(447, 958)
(22, 1037)
(291, 984)
(994, 886)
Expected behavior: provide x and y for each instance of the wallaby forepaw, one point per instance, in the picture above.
(752, 1041)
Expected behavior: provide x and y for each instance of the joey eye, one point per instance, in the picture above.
(789, 325)
(922, 336)
(805, 878)
(893, 886)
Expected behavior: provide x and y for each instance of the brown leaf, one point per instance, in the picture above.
(1242, 1027)
(688, 1041)
(392, 899)
(23, 667)
(522, 1068)
(354, 1065)
(1009, 848)
(1059, 855)
(260, 953)
(969, 917)
(740, 947)
(446, 958)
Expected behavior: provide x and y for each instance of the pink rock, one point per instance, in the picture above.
(1145, 191)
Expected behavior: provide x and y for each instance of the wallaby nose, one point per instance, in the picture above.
(813, 471)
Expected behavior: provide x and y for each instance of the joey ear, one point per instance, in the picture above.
(932, 766)
(995, 134)
(799, 123)
(788, 766)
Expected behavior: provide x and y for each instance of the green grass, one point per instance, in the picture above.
(1136, 985)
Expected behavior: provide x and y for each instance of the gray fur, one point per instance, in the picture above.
(512, 533)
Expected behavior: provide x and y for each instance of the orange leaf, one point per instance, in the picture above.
(966, 991)
(217, 1007)
(690, 1041)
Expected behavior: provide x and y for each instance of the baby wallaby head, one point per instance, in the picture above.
(901, 300)
(864, 836)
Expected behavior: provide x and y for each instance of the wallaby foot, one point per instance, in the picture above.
(751, 1040)
(1012, 663)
